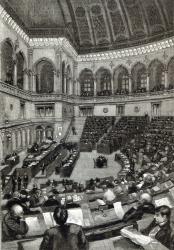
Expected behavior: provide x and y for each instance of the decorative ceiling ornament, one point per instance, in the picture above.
(165, 55)
(129, 62)
(146, 59)
(111, 64)
(93, 66)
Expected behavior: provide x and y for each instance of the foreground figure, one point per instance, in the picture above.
(13, 224)
(64, 236)
(159, 230)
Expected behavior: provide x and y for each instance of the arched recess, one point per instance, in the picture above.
(39, 134)
(156, 75)
(20, 69)
(171, 73)
(68, 80)
(44, 76)
(49, 132)
(7, 62)
(7, 147)
(103, 80)
(63, 78)
(139, 77)
(121, 79)
(86, 79)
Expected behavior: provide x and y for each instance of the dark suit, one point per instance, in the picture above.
(68, 237)
(13, 227)
(136, 214)
(163, 235)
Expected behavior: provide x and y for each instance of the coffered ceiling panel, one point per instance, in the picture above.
(95, 25)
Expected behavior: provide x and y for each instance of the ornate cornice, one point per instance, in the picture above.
(63, 44)
(14, 26)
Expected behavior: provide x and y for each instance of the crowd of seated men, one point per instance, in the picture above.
(68, 163)
(94, 129)
(140, 90)
(121, 92)
(87, 93)
(122, 131)
(159, 87)
(104, 93)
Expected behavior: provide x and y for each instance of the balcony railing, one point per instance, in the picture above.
(53, 97)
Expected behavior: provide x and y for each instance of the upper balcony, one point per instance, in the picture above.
(76, 99)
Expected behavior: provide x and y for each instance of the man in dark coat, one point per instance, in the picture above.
(13, 224)
(64, 236)
(144, 206)
(160, 227)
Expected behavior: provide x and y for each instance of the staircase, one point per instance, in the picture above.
(78, 123)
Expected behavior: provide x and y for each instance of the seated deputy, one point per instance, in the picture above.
(144, 206)
(64, 236)
(158, 230)
(13, 224)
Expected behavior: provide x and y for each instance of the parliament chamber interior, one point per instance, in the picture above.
(87, 124)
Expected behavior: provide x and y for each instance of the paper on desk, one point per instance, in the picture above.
(34, 226)
(136, 237)
(75, 216)
(163, 201)
(119, 210)
(101, 202)
(48, 219)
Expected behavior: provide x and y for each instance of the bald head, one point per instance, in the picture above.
(145, 197)
(17, 211)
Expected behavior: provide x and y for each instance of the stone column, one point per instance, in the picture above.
(2, 133)
(130, 84)
(44, 135)
(166, 79)
(78, 88)
(0, 66)
(15, 75)
(23, 139)
(112, 85)
(13, 141)
(70, 86)
(30, 67)
(26, 85)
(33, 82)
(58, 58)
(95, 87)
(55, 88)
(147, 83)
(75, 67)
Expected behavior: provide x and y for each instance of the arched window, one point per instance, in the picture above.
(7, 63)
(139, 77)
(124, 82)
(103, 78)
(44, 77)
(68, 80)
(171, 74)
(156, 75)
(20, 70)
(49, 132)
(39, 134)
(121, 80)
(86, 80)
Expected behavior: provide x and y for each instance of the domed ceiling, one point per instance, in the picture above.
(95, 25)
